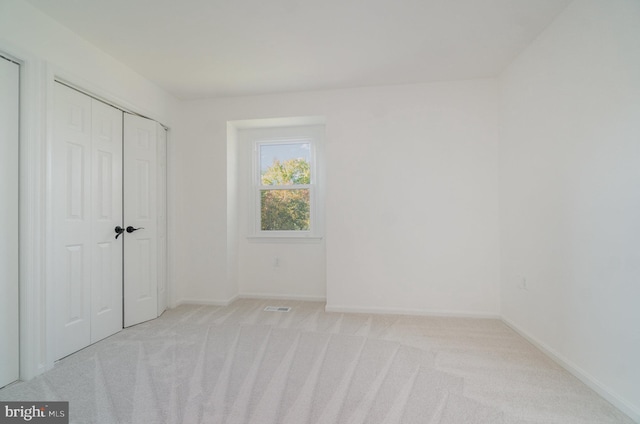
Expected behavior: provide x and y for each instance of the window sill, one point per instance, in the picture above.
(284, 239)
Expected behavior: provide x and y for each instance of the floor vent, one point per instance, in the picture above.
(277, 309)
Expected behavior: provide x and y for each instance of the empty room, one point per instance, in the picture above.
(303, 211)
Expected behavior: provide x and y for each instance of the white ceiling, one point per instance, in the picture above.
(210, 48)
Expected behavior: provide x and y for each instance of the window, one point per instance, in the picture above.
(275, 188)
(285, 187)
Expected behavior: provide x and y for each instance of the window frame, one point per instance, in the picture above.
(258, 187)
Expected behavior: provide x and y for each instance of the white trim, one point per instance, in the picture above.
(10, 75)
(32, 211)
(48, 195)
(210, 302)
(257, 296)
(79, 83)
(302, 297)
(592, 382)
(284, 238)
(294, 121)
(408, 311)
(171, 226)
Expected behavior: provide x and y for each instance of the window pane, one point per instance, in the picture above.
(285, 164)
(284, 210)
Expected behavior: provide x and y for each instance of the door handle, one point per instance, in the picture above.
(130, 229)
(119, 230)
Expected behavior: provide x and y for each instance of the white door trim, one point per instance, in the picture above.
(32, 211)
(9, 221)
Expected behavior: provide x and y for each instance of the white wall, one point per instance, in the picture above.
(202, 236)
(26, 30)
(570, 194)
(48, 49)
(412, 203)
(411, 207)
(269, 267)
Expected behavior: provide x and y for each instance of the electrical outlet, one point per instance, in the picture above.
(521, 283)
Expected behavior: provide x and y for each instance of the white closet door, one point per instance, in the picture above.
(9, 109)
(71, 202)
(106, 278)
(86, 201)
(141, 220)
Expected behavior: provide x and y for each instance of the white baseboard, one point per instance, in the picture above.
(579, 373)
(282, 297)
(210, 302)
(407, 311)
(227, 302)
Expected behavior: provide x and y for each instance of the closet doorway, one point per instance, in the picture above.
(9, 222)
(108, 220)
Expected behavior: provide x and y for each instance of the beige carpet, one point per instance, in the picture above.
(239, 364)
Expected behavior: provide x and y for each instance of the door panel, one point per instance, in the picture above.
(9, 322)
(106, 288)
(71, 202)
(140, 200)
(87, 206)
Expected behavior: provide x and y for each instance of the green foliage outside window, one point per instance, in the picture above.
(285, 210)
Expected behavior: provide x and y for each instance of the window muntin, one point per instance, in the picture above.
(285, 187)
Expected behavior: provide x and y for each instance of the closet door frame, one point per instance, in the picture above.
(32, 211)
(10, 269)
